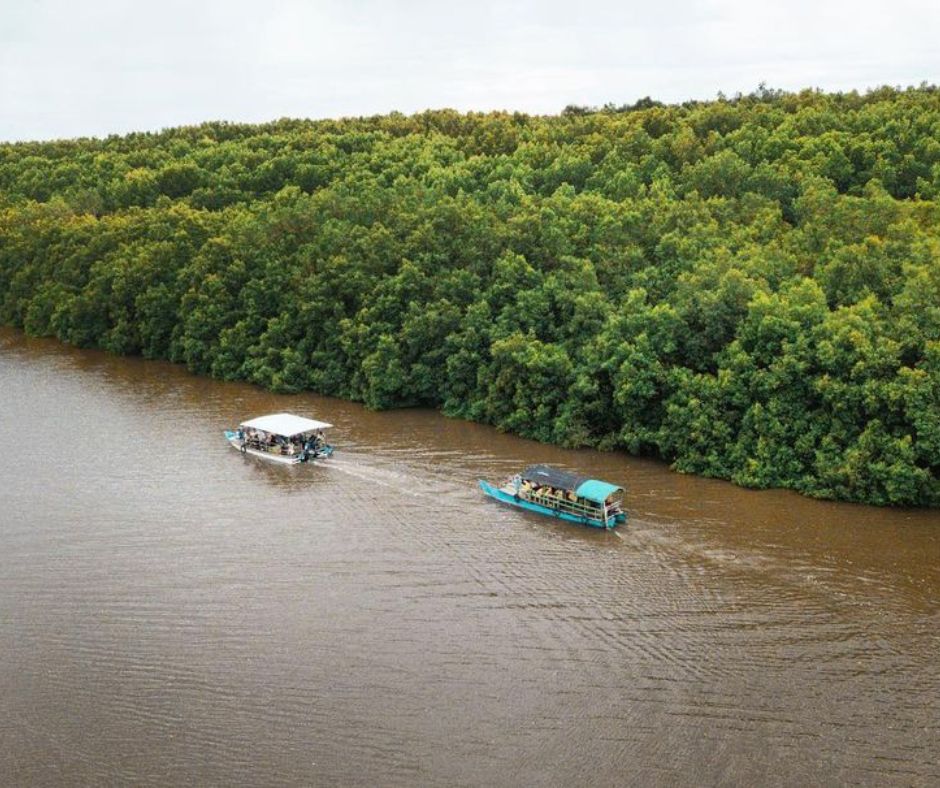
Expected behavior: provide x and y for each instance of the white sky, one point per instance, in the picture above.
(93, 67)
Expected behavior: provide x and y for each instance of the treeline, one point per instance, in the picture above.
(747, 288)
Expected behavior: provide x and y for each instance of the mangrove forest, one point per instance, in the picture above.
(747, 288)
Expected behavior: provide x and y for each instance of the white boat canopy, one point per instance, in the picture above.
(286, 424)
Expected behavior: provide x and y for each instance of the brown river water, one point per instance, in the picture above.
(173, 613)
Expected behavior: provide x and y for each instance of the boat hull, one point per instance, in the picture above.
(504, 497)
(283, 459)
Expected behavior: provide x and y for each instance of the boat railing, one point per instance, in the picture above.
(269, 448)
(565, 505)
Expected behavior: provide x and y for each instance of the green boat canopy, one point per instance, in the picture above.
(597, 491)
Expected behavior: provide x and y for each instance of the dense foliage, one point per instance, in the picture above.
(748, 288)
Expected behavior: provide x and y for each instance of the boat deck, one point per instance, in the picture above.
(276, 450)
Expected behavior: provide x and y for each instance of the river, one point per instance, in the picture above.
(174, 613)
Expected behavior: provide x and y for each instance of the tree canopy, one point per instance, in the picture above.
(748, 288)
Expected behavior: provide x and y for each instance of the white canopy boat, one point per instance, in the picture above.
(281, 437)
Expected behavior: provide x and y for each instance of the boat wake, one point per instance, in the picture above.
(402, 483)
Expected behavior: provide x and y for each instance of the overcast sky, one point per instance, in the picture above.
(93, 67)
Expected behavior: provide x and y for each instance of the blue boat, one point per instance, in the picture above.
(563, 495)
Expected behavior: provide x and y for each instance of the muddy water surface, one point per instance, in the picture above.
(172, 612)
